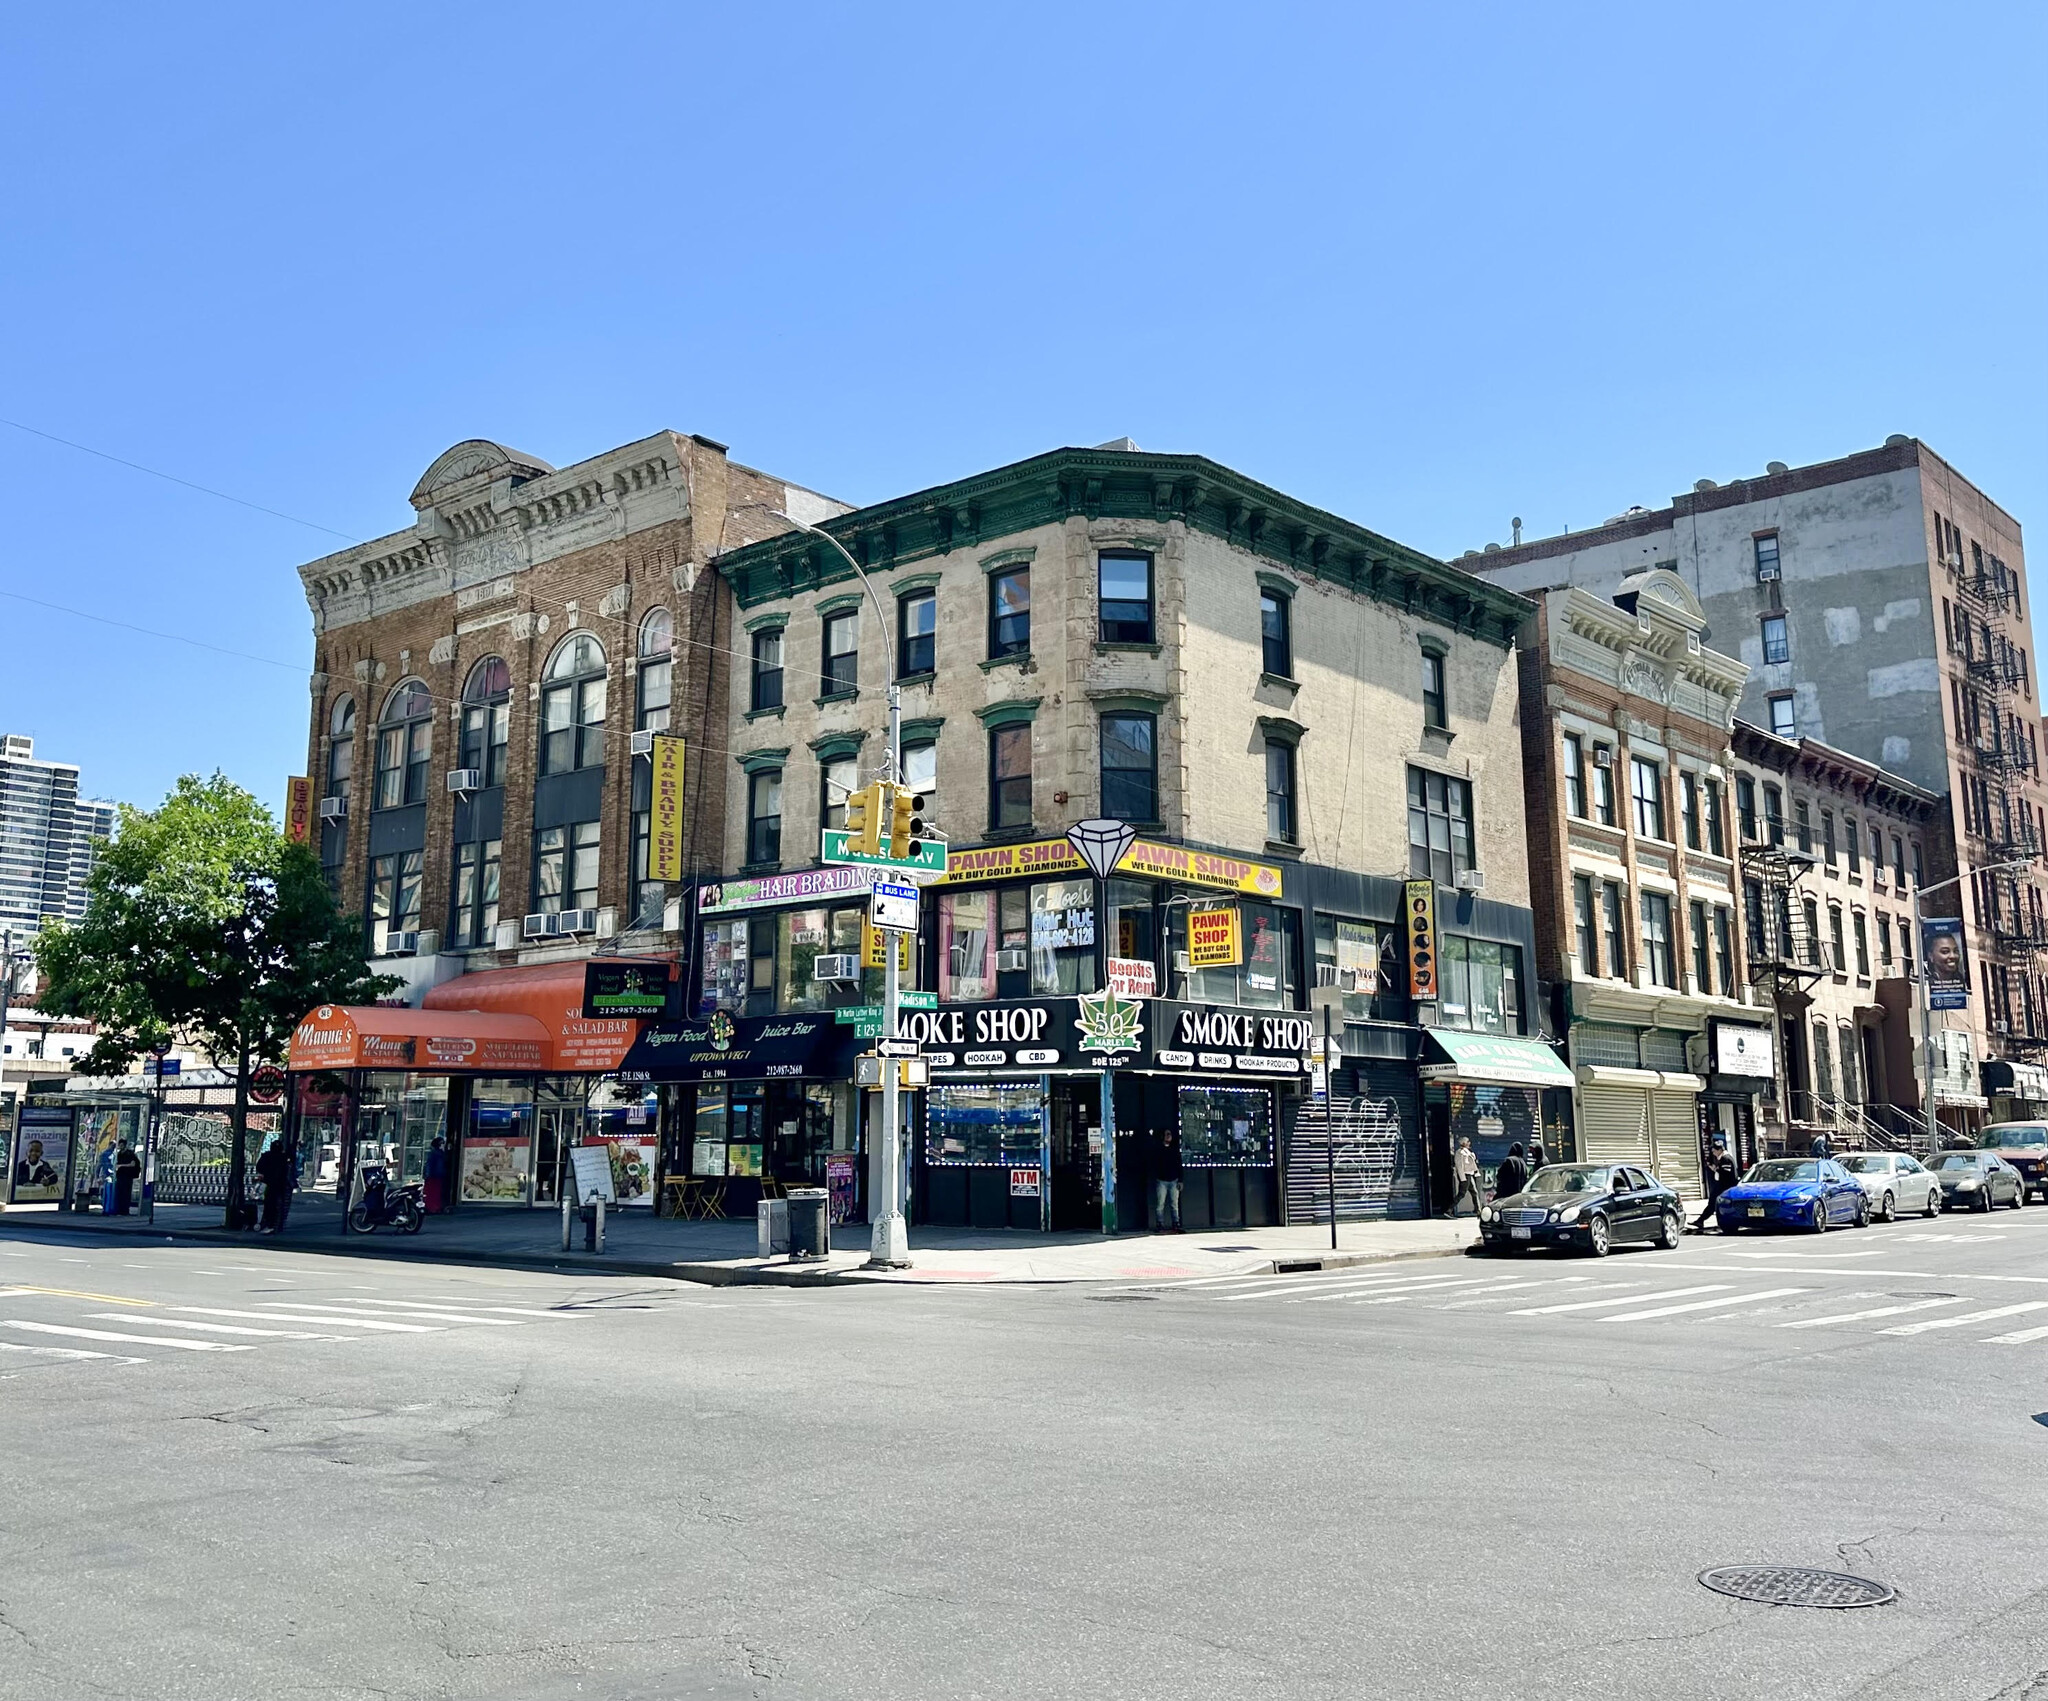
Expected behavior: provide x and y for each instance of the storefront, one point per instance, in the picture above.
(2015, 1092)
(1489, 1089)
(1742, 1059)
(501, 1067)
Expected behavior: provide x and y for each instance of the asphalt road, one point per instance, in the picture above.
(1446, 1478)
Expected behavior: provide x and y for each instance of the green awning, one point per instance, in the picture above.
(1493, 1060)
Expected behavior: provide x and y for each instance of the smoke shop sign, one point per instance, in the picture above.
(993, 1036)
(1226, 1041)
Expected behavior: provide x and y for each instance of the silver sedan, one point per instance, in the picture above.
(1894, 1182)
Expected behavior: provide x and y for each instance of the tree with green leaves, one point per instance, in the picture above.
(202, 920)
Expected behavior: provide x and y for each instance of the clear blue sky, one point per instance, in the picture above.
(1429, 267)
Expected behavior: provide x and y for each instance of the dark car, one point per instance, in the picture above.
(1977, 1180)
(1591, 1207)
(1808, 1193)
(2024, 1145)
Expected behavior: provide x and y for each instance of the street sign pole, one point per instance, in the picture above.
(889, 1242)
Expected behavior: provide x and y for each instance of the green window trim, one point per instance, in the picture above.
(923, 730)
(1005, 558)
(1021, 713)
(838, 605)
(836, 746)
(1128, 702)
(914, 582)
(1284, 730)
(769, 622)
(760, 761)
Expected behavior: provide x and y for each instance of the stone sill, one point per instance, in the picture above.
(1152, 650)
(775, 713)
(1021, 659)
(852, 696)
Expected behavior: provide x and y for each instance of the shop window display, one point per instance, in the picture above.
(497, 1144)
(1062, 937)
(1268, 978)
(993, 1124)
(1226, 1126)
(1363, 960)
(1481, 986)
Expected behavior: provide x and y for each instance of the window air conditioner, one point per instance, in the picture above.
(1765, 574)
(1472, 880)
(505, 936)
(334, 809)
(465, 779)
(1182, 963)
(1603, 756)
(539, 926)
(402, 944)
(836, 966)
(576, 921)
(1012, 960)
(643, 744)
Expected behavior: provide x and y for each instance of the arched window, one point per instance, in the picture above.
(341, 747)
(657, 633)
(405, 745)
(572, 707)
(487, 720)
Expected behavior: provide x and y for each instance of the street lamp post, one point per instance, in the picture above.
(889, 1238)
(1927, 1108)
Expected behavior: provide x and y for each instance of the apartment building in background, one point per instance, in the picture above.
(49, 838)
(1879, 601)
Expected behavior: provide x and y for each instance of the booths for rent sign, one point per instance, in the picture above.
(1215, 939)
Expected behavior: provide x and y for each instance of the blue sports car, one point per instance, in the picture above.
(1794, 1193)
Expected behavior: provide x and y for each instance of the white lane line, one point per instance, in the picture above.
(2018, 1339)
(1862, 1274)
(74, 1260)
(1624, 1299)
(1440, 1284)
(287, 1317)
(1325, 1284)
(354, 1309)
(134, 1340)
(1701, 1305)
(1875, 1311)
(431, 1305)
(206, 1328)
(1967, 1317)
(1831, 1255)
(65, 1352)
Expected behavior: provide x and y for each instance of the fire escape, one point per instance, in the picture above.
(1785, 961)
(2000, 817)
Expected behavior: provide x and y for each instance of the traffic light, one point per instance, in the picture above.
(864, 820)
(906, 822)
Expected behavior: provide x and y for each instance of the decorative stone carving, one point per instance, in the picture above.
(1645, 679)
(522, 625)
(616, 601)
(684, 578)
(405, 658)
(362, 673)
(443, 651)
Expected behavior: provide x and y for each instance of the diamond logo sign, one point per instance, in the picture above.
(1101, 843)
(1110, 1024)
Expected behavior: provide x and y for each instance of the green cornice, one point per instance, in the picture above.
(768, 622)
(914, 582)
(923, 729)
(837, 744)
(833, 605)
(1101, 483)
(754, 761)
(1018, 713)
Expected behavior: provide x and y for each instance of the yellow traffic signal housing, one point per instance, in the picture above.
(906, 822)
(864, 820)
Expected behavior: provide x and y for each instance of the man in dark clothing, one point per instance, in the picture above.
(1537, 1156)
(1720, 1177)
(127, 1166)
(1513, 1174)
(273, 1173)
(1166, 1183)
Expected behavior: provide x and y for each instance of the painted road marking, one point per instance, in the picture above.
(430, 1305)
(1968, 1317)
(1414, 1284)
(287, 1317)
(354, 1309)
(66, 1352)
(1701, 1305)
(1627, 1299)
(133, 1340)
(1875, 1311)
(76, 1293)
(208, 1328)
(2015, 1340)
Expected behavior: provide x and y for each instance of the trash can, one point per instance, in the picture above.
(810, 1233)
(771, 1222)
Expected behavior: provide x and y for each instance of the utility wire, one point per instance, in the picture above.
(173, 478)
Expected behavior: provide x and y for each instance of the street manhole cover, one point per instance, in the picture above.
(1795, 1585)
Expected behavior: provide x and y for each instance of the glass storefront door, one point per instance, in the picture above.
(497, 1143)
(1076, 1203)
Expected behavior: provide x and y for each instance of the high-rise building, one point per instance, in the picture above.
(47, 838)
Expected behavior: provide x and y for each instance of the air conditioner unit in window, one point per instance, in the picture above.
(465, 779)
(1182, 963)
(402, 944)
(1472, 880)
(1766, 572)
(334, 809)
(539, 926)
(643, 744)
(576, 921)
(505, 936)
(1012, 960)
(836, 966)
(1603, 756)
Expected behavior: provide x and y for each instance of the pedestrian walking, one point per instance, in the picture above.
(436, 1176)
(1538, 1157)
(1513, 1174)
(1465, 1176)
(1166, 1183)
(272, 1171)
(1720, 1177)
(1820, 1147)
(127, 1167)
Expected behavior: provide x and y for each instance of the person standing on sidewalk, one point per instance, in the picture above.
(1166, 1182)
(127, 1166)
(1464, 1176)
(1720, 1177)
(271, 1171)
(1513, 1174)
(436, 1177)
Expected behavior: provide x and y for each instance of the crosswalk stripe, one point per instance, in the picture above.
(433, 1305)
(1874, 1311)
(133, 1340)
(2020, 1338)
(207, 1328)
(1968, 1317)
(286, 1317)
(354, 1309)
(1483, 1296)
(1701, 1305)
(65, 1352)
(1361, 1294)
(1323, 1284)
(1619, 1299)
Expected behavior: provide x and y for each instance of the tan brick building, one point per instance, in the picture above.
(479, 679)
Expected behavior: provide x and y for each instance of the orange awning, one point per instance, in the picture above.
(379, 1036)
(552, 995)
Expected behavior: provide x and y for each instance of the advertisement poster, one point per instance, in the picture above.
(632, 1158)
(40, 1136)
(494, 1168)
(99, 1138)
(841, 1169)
(1420, 906)
(1215, 939)
(1948, 965)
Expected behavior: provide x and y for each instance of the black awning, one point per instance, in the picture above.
(807, 1045)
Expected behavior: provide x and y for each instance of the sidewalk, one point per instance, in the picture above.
(722, 1253)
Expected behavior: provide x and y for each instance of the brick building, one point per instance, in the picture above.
(479, 681)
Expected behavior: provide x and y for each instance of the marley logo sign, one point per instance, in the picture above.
(1109, 1024)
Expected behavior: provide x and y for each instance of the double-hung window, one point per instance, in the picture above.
(572, 707)
(1585, 938)
(405, 746)
(1783, 721)
(1837, 956)
(1603, 784)
(1745, 807)
(917, 634)
(1852, 842)
(656, 683)
(1124, 594)
(1130, 767)
(473, 918)
(1009, 777)
(565, 867)
(767, 692)
(1276, 638)
(394, 896)
(1724, 951)
(841, 671)
(1656, 912)
(1614, 931)
(1575, 775)
(1009, 613)
(1439, 825)
(487, 721)
(1435, 701)
(1647, 785)
(1702, 965)
(1717, 831)
(764, 816)
(1777, 644)
(1689, 809)
(1282, 822)
(838, 779)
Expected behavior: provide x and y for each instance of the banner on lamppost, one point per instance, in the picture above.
(1947, 960)
(298, 810)
(665, 828)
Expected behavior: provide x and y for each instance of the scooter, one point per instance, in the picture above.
(385, 1206)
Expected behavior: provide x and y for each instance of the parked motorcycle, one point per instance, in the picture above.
(385, 1206)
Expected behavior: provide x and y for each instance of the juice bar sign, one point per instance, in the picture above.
(992, 1036)
(1237, 1041)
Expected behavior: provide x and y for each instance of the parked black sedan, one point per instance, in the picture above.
(1590, 1207)
(1975, 1181)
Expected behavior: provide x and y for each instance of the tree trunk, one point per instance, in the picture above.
(238, 1150)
